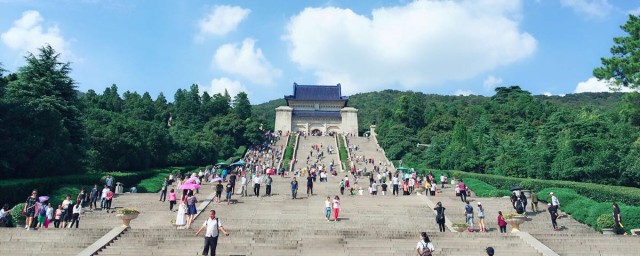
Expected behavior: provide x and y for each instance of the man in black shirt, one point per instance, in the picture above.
(309, 185)
(232, 178)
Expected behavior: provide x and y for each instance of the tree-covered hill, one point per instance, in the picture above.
(589, 137)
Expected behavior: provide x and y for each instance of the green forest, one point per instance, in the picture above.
(48, 128)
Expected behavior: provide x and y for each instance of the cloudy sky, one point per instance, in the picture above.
(263, 47)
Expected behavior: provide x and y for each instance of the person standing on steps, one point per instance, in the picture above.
(395, 182)
(30, 208)
(268, 184)
(243, 183)
(554, 201)
(341, 187)
(327, 208)
(481, 218)
(229, 191)
(294, 188)
(501, 223)
(440, 217)
(163, 190)
(257, 180)
(468, 213)
(219, 188)
(534, 202)
(172, 199)
(619, 229)
(309, 185)
(463, 191)
(213, 226)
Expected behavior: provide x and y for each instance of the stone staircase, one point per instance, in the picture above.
(367, 148)
(305, 147)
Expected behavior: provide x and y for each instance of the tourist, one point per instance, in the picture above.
(268, 183)
(219, 187)
(243, 182)
(553, 211)
(523, 200)
(67, 204)
(481, 218)
(468, 213)
(213, 226)
(463, 191)
(172, 199)
(442, 178)
(49, 215)
(534, 202)
(424, 247)
(163, 190)
(191, 208)
(384, 188)
(82, 197)
(103, 197)
(109, 200)
(30, 208)
(336, 207)
(490, 251)
(501, 223)
(232, 178)
(229, 191)
(440, 216)
(57, 217)
(257, 180)
(434, 188)
(109, 182)
(294, 188)
(309, 185)
(342, 187)
(327, 208)
(77, 210)
(5, 216)
(93, 197)
(374, 189)
(182, 210)
(554, 201)
(395, 182)
(619, 229)
(41, 212)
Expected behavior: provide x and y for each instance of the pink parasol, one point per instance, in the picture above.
(191, 180)
(189, 186)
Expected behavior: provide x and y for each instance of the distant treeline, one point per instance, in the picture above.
(48, 128)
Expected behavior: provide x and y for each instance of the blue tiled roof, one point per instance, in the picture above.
(314, 113)
(316, 92)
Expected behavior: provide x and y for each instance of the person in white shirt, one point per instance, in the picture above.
(77, 210)
(213, 226)
(257, 180)
(327, 208)
(424, 244)
(442, 180)
(243, 182)
(395, 182)
(103, 196)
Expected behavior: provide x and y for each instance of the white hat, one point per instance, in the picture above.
(479, 203)
(550, 193)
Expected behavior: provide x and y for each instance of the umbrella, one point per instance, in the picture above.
(43, 198)
(216, 179)
(189, 186)
(514, 188)
(402, 168)
(191, 180)
(221, 163)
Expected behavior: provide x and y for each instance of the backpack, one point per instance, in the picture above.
(425, 250)
(43, 211)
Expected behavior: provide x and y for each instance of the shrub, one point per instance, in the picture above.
(17, 218)
(511, 215)
(483, 189)
(128, 211)
(459, 224)
(606, 221)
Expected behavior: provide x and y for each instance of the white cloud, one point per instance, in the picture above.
(419, 44)
(28, 34)
(491, 82)
(222, 20)
(547, 94)
(595, 85)
(218, 85)
(463, 93)
(246, 61)
(591, 8)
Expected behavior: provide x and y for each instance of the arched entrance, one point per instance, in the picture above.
(316, 132)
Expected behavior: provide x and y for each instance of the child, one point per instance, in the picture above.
(172, 199)
(49, 215)
(42, 214)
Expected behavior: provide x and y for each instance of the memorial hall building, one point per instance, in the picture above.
(317, 110)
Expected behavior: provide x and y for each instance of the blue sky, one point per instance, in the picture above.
(262, 47)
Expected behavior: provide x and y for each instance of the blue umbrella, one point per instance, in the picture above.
(239, 163)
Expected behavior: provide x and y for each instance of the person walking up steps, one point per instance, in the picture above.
(257, 180)
(534, 202)
(440, 217)
(294, 188)
(463, 191)
(213, 226)
(395, 182)
(243, 182)
(163, 190)
(309, 185)
(219, 188)
(268, 183)
(341, 187)
(501, 223)
(553, 212)
(229, 191)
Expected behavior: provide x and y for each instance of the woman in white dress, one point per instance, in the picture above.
(182, 210)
